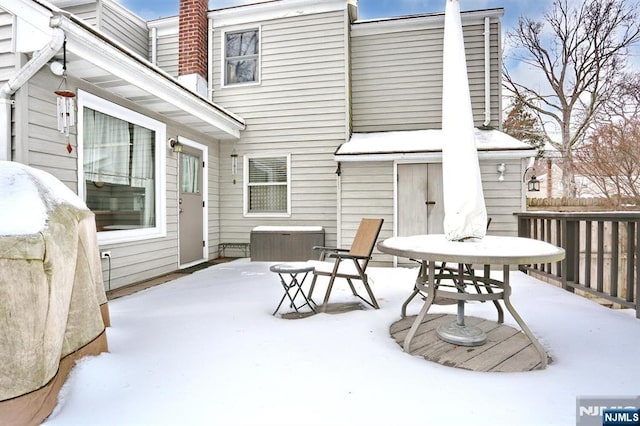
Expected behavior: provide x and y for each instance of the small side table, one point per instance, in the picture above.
(292, 269)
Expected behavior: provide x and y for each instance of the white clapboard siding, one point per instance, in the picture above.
(125, 29)
(213, 200)
(367, 191)
(7, 58)
(87, 11)
(502, 198)
(44, 147)
(114, 21)
(35, 116)
(397, 77)
(167, 53)
(298, 108)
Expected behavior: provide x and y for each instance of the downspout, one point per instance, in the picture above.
(37, 61)
(487, 73)
(154, 46)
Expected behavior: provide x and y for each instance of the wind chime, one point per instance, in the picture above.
(65, 102)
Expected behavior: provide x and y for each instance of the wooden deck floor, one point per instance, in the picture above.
(506, 349)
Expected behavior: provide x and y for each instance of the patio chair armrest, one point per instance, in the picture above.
(324, 250)
(328, 248)
(349, 256)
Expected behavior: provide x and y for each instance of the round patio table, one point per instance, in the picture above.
(434, 251)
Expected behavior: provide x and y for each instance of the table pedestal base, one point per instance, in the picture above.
(463, 335)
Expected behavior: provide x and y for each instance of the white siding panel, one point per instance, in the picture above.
(88, 12)
(502, 198)
(7, 58)
(298, 108)
(47, 148)
(167, 53)
(132, 34)
(213, 199)
(397, 78)
(367, 191)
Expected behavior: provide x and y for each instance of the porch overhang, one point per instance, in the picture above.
(426, 145)
(107, 65)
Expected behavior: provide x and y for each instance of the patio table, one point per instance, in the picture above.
(434, 250)
(292, 284)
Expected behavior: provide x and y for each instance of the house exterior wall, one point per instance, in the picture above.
(166, 43)
(367, 191)
(87, 11)
(116, 22)
(43, 147)
(502, 198)
(7, 57)
(298, 108)
(124, 27)
(397, 72)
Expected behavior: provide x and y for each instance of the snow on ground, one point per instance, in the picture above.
(205, 350)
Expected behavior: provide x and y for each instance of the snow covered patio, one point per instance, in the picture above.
(205, 349)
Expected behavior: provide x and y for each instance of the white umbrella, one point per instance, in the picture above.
(465, 215)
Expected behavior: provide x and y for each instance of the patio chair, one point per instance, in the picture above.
(349, 264)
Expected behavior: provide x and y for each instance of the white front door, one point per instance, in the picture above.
(420, 201)
(191, 205)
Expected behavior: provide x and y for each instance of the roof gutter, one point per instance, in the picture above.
(93, 47)
(433, 156)
(37, 61)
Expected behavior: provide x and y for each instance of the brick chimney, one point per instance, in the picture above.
(192, 45)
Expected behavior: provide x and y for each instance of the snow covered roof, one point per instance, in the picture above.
(419, 144)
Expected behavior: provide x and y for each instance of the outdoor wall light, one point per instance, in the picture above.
(175, 145)
(502, 168)
(534, 184)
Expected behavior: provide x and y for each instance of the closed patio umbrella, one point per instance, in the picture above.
(465, 215)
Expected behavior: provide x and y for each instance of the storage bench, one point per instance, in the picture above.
(285, 243)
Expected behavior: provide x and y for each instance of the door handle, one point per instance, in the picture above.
(430, 203)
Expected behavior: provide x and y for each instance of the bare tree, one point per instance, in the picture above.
(581, 51)
(610, 160)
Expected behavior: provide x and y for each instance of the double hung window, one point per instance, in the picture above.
(267, 190)
(241, 57)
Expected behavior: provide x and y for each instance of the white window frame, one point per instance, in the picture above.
(245, 187)
(104, 106)
(224, 57)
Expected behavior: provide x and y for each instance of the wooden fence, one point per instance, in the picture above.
(581, 204)
(601, 252)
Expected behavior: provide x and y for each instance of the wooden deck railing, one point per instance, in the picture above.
(601, 252)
